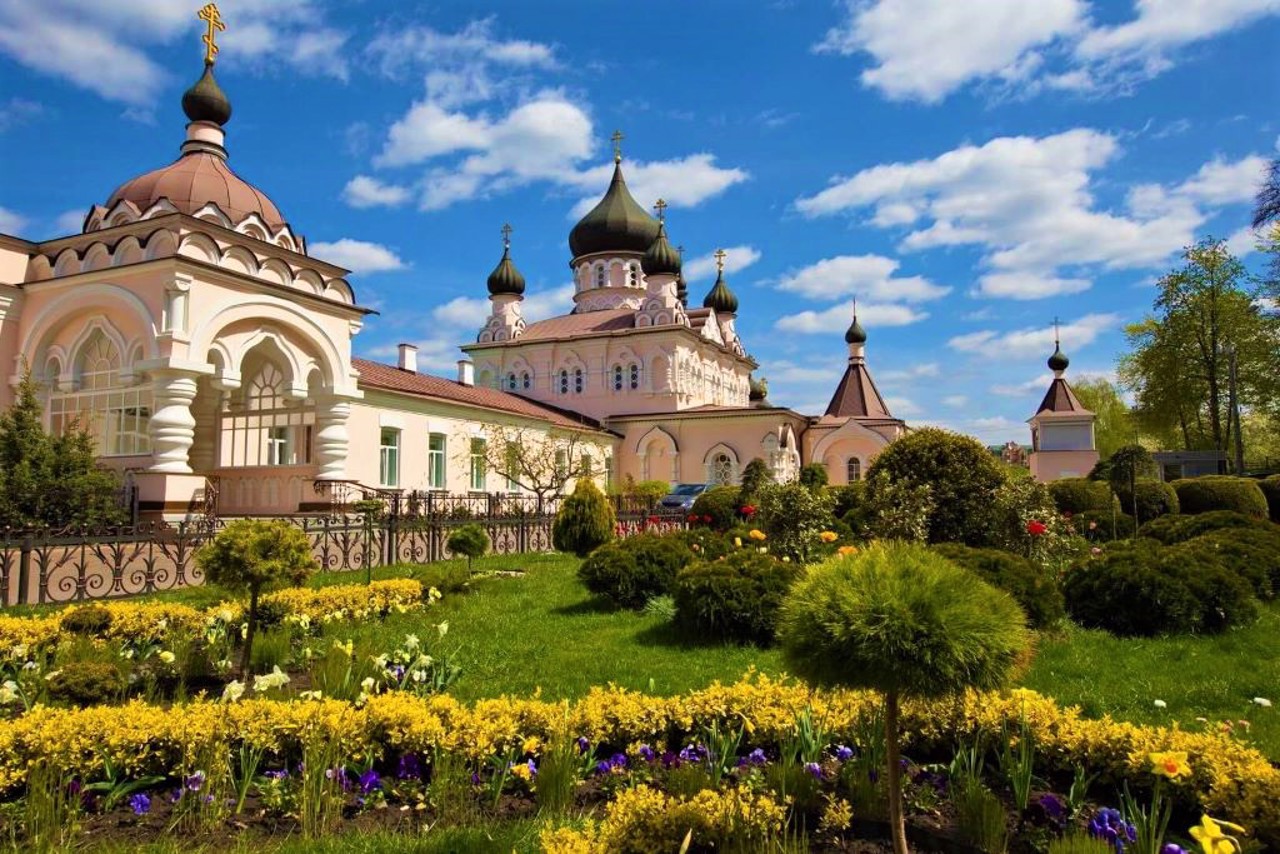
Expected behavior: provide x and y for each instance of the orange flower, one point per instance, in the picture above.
(829, 536)
(845, 551)
(756, 534)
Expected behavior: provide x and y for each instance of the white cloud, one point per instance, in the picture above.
(736, 258)
(1038, 384)
(864, 276)
(410, 47)
(1035, 341)
(365, 192)
(926, 370)
(1220, 182)
(1025, 285)
(18, 111)
(682, 182)
(786, 372)
(70, 222)
(902, 407)
(1164, 25)
(1243, 242)
(956, 401)
(358, 256)
(11, 222)
(836, 319)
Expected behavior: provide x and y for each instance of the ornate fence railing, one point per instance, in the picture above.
(75, 565)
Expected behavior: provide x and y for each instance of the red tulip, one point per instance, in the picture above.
(1035, 527)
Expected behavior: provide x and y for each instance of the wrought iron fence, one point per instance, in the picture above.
(75, 565)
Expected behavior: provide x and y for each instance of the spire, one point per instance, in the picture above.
(505, 278)
(720, 299)
(205, 101)
(1058, 362)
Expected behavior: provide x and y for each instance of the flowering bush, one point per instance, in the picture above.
(794, 518)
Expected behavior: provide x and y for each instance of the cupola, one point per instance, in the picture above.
(505, 278)
(617, 223)
(661, 258)
(720, 299)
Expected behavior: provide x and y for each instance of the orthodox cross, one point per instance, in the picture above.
(680, 252)
(617, 146)
(1056, 342)
(506, 235)
(720, 253)
(209, 14)
(661, 206)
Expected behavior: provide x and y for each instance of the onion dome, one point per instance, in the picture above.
(855, 334)
(720, 299)
(661, 258)
(616, 224)
(682, 290)
(1058, 361)
(205, 101)
(759, 389)
(505, 278)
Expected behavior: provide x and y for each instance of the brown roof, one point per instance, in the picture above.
(857, 395)
(573, 325)
(390, 378)
(194, 180)
(1061, 400)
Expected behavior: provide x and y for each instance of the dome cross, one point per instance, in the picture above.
(616, 139)
(506, 235)
(213, 18)
(661, 207)
(720, 256)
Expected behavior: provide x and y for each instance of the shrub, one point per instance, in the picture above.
(87, 683)
(1104, 527)
(88, 620)
(470, 540)
(1179, 529)
(1252, 553)
(649, 492)
(704, 543)
(793, 517)
(1154, 498)
(1220, 492)
(584, 522)
(253, 556)
(902, 620)
(1033, 587)
(1145, 589)
(1270, 487)
(959, 471)
(813, 476)
(447, 577)
(848, 498)
(1080, 495)
(755, 476)
(736, 598)
(717, 507)
(630, 572)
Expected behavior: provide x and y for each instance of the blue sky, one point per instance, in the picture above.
(968, 171)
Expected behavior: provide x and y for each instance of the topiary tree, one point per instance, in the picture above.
(470, 540)
(584, 522)
(1124, 469)
(961, 474)
(813, 475)
(253, 556)
(1149, 499)
(903, 620)
(1034, 588)
(1080, 495)
(717, 507)
(1221, 492)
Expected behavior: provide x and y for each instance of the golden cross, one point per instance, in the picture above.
(661, 206)
(720, 253)
(506, 235)
(210, 15)
(617, 146)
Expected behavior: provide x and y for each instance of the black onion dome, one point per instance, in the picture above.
(855, 334)
(682, 290)
(205, 101)
(505, 278)
(616, 224)
(661, 258)
(1058, 361)
(759, 389)
(720, 299)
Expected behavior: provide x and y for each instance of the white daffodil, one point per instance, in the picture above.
(234, 691)
(1262, 701)
(1161, 704)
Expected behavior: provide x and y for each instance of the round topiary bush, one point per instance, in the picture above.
(1103, 526)
(1155, 498)
(86, 683)
(962, 477)
(736, 598)
(1179, 529)
(1076, 495)
(707, 544)
(1270, 487)
(1220, 492)
(1034, 588)
(584, 521)
(469, 540)
(1142, 588)
(717, 507)
(87, 620)
(1251, 553)
(630, 572)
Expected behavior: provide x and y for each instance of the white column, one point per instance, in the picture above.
(332, 439)
(172, 425)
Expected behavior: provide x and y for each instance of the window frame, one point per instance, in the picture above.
(389, 457)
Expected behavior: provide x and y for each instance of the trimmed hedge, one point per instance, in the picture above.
(1103, 525)
(630, 572)
(1221, 492)
(1033, 588)
(1252, 553)
(1270, 487)
(1076, 495)
(1155, 499)
(1179, 529)
(736, 598)
(717, 507)
(1145, 589)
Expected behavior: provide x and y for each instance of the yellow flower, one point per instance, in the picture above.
(829, 536)
(756, 534)
(1171, 764)
(1211, 838)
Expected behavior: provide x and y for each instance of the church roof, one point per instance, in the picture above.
(572, 325)
(194, 180)
(857, 395)
(1061, 400)
(616, 224)
(391, 378)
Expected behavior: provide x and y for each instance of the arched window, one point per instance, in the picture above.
(722, 470)
(526, 381)
(633, 275)
(267, 428)
(564, 382)
(633, 379)
(602, 276)
(115, 413)
(579, 381)
(511, 381)
(617, 377)
(853, 470)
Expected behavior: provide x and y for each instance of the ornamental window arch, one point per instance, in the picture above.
(103, 396)
(722, 466)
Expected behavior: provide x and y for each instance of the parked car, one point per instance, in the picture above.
(682, 496)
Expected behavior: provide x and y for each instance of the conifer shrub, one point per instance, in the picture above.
(717, 507)
(1178, 529)
(813, 476)
(1270, 487)
(585, 520)
(649, 492)
(1252, 553)
(630, 572)
(1076, 495)
(1154, 498)
(707, 544)
(755, 476)
(87, 621)
(469, 540)
(1142, 588)
(1034, 588)
(87, 683)
(1220, 492)
(736, 598)
(1103, 526)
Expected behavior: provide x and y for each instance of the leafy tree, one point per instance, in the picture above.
(1179, 364)
(470, 540)
(584, 522)
(649, 492)
(539, 461)
(794, 518)
(903, 620)
(1266, 209)
(51, 481)
(813, 475)
(253, 556)
(1112, 426)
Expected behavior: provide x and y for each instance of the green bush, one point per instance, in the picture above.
(1155, 498)
(446, 576)
(1077, 495)
(736, 598)
(1270, 487)
(1179, 529)
(961, 475)
(1220, 492)
(813, 476)
(87, 621)
(649, 492)
(706, 544)
(1142, 588)
(717, 507)
(848, 498)
(87, 683)
(630, 572)
(1034, 588)
(1104, 526)
(794, 517)
(470, 540)
(585, 520)
(755, 476)
(1251, 553)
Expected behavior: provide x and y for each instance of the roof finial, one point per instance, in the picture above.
(210, 15)
(661, 207)
(617, 146)
(1057, 342)
(506, 236)
(720, 255)
(1058, 362)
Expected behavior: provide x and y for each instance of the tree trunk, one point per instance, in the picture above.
(248, 634)
(893, 779)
